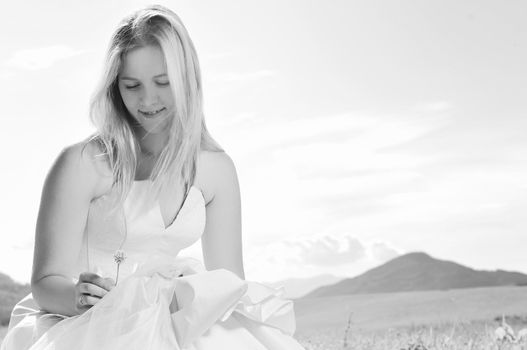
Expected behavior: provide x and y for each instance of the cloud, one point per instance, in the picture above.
(339, 254)
(382, 251)
(41, 58)
(403, 178)
(329, 251)
(326, 169)
(354, 135)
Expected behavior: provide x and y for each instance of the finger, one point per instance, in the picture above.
(90, 300)
(105, 283)
(110, 283)
(87, 300)
(92, 289)
(88, 277)
(93, 278)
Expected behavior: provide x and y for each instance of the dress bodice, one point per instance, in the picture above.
(138, 230)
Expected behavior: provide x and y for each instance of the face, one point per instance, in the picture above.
(145, 89)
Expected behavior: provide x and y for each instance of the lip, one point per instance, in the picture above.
(153, 113)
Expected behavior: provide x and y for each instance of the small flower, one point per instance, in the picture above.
(119, 256)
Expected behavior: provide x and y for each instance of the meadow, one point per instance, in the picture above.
(468, 335)
(451, 319)
(433, 320)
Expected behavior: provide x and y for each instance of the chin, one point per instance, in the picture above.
(156, 127)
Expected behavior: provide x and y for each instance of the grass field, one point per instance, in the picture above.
(472, 335)
(435, 320)
(382, 311)
(454, 319)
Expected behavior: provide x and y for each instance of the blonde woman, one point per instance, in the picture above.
(118, 207)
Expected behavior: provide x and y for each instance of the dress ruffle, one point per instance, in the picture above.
(165, 304)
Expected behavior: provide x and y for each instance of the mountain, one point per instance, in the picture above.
(298, 287)
(419, 271)
(10, 293)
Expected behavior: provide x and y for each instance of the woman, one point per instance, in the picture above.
(117, 208)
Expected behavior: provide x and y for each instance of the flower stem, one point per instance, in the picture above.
(117, 277)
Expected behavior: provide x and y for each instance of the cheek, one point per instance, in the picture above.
(129, 100)
(168, 98)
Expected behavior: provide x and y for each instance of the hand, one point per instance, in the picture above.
(90, 289)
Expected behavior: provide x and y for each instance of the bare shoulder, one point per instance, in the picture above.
(216, 170)
(85, 162)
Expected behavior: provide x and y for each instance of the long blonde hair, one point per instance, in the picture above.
(153, 25)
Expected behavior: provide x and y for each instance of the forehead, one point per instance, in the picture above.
(143, 62)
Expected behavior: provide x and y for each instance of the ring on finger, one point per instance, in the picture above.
(81, 300)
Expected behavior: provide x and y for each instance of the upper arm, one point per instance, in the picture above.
(68, 190)
(222, 238)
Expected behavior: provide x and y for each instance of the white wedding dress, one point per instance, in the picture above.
(161, 301)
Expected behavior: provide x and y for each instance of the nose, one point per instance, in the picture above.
(149, 96)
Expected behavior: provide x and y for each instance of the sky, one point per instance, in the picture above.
(360, 130)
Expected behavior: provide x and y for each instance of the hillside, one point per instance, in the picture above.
(419, 272)
(10, 293)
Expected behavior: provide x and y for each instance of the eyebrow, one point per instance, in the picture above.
(155, 76)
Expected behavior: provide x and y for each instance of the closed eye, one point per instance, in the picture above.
(163, 83)
(130, 87)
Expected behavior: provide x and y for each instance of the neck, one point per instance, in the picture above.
(151, 144)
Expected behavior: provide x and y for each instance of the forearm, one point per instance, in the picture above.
(56, 294)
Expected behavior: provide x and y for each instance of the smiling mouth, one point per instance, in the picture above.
(151, 114)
